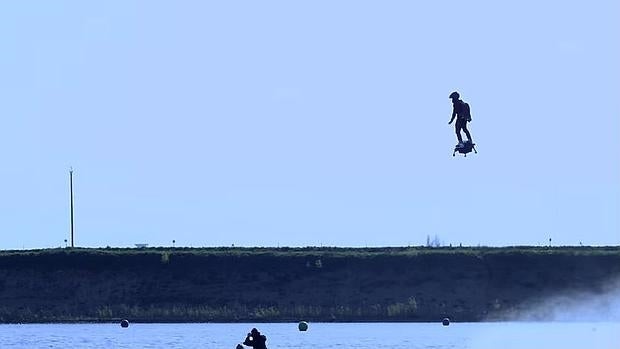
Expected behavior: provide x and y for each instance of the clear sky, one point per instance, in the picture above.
(308, 123)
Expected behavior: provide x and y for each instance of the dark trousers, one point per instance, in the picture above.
(461, 124)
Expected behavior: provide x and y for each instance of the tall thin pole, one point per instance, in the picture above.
(71, 190)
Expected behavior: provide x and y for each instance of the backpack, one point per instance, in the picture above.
(465, 110)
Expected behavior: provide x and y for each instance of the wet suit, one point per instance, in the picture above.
(257, 342)
(460, 111)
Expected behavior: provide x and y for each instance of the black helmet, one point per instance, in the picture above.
(454, 95)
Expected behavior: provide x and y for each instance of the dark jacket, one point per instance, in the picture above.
(460, 109)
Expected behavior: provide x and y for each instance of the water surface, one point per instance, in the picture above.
(509, 335)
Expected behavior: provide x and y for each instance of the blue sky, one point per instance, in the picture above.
(297, 123)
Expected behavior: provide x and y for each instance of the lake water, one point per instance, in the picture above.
(505, 335)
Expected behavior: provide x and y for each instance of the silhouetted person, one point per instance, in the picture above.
(460, 110)
(255, 340)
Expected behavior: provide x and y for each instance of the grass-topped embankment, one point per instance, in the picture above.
(282, 284)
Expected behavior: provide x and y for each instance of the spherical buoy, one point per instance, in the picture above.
(303, 326)
(124, 323)
(445, 321)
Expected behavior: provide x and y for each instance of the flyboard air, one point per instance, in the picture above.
(465, 148)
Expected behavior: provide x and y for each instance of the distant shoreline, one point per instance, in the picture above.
(317, 284)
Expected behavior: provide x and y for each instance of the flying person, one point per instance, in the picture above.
(255, 340)
(460, 110)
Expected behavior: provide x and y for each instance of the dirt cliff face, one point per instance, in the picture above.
(285, 284)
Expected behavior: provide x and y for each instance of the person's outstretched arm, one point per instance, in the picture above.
(453, 114)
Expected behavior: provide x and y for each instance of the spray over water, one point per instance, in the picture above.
(577, 306)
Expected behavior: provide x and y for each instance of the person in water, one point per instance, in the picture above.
(460, 110)
(255, 340)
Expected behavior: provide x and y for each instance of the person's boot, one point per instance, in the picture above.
(460, 145)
